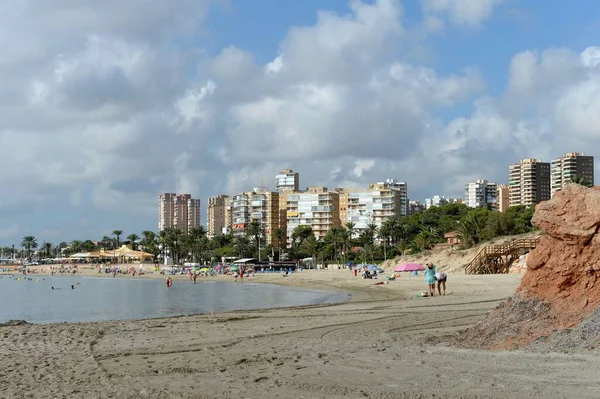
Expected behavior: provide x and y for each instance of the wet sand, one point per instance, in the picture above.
(380, 345)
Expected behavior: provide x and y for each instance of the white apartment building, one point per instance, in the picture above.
(481, 193)
(402, 189)
(317, 207)
(370, 206)
(436, 200)
(571, 164)
(178, 211)
(287, 180)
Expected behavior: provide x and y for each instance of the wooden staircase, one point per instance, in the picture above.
(497, 259)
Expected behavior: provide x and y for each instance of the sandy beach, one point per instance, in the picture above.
(378, 345)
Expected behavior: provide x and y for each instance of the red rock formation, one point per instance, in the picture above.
(565, 267)
(561, 286)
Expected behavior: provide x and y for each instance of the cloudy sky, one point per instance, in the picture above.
(105, 104)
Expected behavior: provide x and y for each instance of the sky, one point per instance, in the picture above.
(103, 105)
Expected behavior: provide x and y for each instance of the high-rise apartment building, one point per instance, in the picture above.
(178, 211)
(373, 205)
(402, 189)
(503, 197)
(287, 180)
(571, 164)
(529, 182)
(316, 207)
(259, 206)
(218, 215)
(481, 193)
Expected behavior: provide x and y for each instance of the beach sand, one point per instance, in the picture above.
(379, 345)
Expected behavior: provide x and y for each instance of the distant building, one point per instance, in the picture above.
(316, 207)
(402, 189)
(287, 180)
(436, 200)
(503, 195)
(571, 164)
(415, 207)
(218, 215)
(178, 211)
(529, 182)
(481, 193)
(261, 206)
(373, 205)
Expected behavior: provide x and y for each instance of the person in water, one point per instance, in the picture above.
(429, 273)
(169, 282)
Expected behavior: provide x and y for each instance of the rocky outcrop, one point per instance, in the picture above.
(561, 286)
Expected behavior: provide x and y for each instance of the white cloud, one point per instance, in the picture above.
(106, 110)
(462, 12)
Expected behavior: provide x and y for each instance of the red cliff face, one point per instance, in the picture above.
(565, 267)
(560, 287)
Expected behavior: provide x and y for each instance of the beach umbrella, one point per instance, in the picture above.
(374, 268)
(409, 267)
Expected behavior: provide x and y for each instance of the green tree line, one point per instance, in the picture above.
(397, 235)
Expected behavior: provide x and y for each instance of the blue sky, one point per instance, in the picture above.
(113, 103)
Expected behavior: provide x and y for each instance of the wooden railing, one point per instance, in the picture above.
(496, 259)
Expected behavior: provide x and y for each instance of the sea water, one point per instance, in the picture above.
(105, 298)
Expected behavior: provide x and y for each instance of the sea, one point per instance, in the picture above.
(88, 299)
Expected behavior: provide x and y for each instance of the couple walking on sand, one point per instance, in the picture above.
(431, 276)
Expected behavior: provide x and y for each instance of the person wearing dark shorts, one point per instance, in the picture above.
(441, 278)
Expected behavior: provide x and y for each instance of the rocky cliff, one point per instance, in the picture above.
(560, 288)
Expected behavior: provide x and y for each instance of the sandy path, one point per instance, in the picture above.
(375, 349)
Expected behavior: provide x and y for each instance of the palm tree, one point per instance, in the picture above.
(471, 229)
(29, 243)
(335, 236)
(280, 236)
(371, 231)
(582, 181)
(197, 243)
(150, 244)
(424, 240)
(75, 246)
(351, 227)
(256, 232)
(107, 242)
(311, 246)
(47, 249)
(173, 240)
(243, 246)
(117, 234)
(132, 240)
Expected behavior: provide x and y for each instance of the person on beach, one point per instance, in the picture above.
(429, 273)
(441, 278)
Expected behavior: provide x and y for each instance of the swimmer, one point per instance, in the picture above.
(72, 287)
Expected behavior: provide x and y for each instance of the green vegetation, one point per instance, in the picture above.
(341, 244)
(575, 179)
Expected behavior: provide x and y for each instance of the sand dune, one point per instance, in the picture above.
(379, 346)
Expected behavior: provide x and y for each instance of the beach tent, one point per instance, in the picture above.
(125, 254)
(409, 267)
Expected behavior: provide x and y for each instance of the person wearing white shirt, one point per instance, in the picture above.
(441, 278)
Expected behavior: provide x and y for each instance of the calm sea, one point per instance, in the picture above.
(101, 298)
